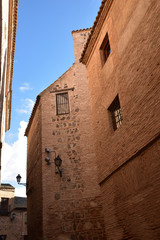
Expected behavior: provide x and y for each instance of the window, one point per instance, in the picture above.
(116, 113)
(4, 203)
(62, 103)
(3, 237)
(4, 206)
(25, 218)
(105, 49)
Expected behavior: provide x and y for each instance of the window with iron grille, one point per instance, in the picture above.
(105, 49)
(116, 113)
(62, 103)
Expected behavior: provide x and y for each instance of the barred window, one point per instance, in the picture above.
(62, 103)
(116, 113)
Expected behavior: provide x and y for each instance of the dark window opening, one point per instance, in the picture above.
(62, 103)
(4, 206)
(4, 203)
(25, 219)
(116, 113)
(105, 49)
(3, 237)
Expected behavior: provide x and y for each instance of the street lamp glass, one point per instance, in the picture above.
(58, 161)
(18, 178)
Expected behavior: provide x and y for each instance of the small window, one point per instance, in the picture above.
(105, 49)
(3, 237)
(4, 203)
(25, 218)
(116, 113)
(62, 103)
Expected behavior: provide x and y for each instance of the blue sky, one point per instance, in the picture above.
(44, 51)
(44, 48)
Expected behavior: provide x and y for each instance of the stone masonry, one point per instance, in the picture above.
(67, 207)
(13, 224)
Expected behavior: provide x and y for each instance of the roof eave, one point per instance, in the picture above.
(10, 60)
(102, 13)
(32, 115)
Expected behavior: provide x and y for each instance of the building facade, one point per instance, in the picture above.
(123, 64)
(63, 202)
(8, 26)
(13, 214)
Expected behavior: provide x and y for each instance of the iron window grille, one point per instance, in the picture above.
(62, 103)
(105, 49)
(116, 113)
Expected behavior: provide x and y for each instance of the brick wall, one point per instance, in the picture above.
(132, 196)
(132, 71)
(34, 178)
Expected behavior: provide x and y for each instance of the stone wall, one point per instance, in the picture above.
(16, 228)
(71, 207)
(128, 159)
(71, 204)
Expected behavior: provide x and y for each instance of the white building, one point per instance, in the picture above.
(8, 25)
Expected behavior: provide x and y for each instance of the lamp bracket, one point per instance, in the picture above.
(24, 184)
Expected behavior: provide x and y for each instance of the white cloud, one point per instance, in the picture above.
(29, 104)
(20, 192)
(26, 107)
(10, 135)
(14, 158)
(22, 111)
(25, 87)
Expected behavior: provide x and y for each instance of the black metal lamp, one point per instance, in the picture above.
(47, 159)
(57, 160)
(19, 179)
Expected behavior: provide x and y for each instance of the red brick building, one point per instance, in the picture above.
(122, 56)
(66, 205)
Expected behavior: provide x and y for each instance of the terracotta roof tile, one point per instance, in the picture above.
(6, 186)
(20, 202)
(81, 30)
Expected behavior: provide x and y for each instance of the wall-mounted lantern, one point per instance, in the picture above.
(19, 180)
(57, 160)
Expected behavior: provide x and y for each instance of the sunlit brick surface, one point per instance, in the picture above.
(128, 158)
